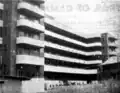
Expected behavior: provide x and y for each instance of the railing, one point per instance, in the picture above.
(73, 60)
(30, 41)
(31, 24)
(53, 45)
(22, 51)
(31, 7)
(28, 59)
(69, 70)
(47, 32)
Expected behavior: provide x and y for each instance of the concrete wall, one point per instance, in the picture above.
(11, 86)
(35, 85)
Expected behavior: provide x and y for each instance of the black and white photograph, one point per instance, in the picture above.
(59, 46)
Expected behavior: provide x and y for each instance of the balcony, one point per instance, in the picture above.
(73, 60)
(1, 6)
(69, 70)
(1, 23)
(25, 23)
(47, 32)
(30, 41)
(29, 59)
(57, 46)
(113, 44)
(114, 52)
(111, 60)
(31, 10)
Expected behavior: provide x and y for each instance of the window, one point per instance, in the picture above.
(35, 36)
(28, 51)
(19, 73)
(1, 15)
(35, 52)
(21, 33)
(41, 21)
(26, 34)
(1, 32)
(19, 50)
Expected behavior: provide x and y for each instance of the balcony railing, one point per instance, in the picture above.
(29, 59)
(114, 52)
(69, 70)
(47, 32)
(73, 60)
(113, 44)
(30, 24)
(31, 9)
(56, 46)
(30, 41)
(111, 60)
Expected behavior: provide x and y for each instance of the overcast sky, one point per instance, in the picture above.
(88, 17)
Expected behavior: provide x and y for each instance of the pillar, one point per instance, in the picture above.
(9, 36)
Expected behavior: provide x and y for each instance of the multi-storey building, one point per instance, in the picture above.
(22, 32)
(110, 48)
(34, 49)
(110, 55)
(72, 57)
(69, 56)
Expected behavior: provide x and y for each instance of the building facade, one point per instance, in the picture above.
(110, 53)
(37, 50)
(68, 56)
(22, 39)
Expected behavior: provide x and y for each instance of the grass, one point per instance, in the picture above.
(108, 86)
